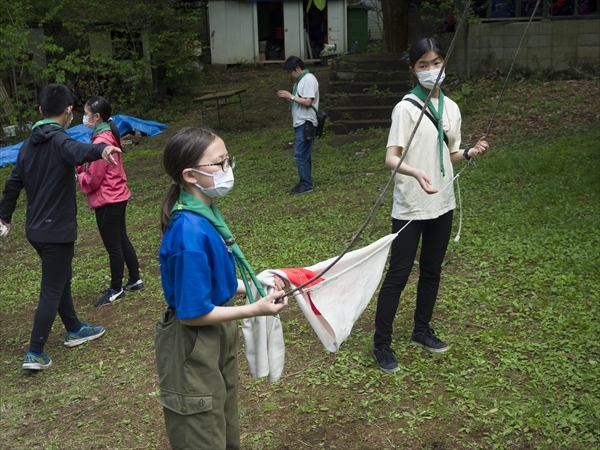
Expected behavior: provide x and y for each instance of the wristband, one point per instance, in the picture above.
(292, 98)
(466, 154)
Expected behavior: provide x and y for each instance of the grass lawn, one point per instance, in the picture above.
(518, 301)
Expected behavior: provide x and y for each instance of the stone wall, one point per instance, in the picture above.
(548, 44)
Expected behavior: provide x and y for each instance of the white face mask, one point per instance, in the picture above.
(427, 79)
(223, 182)
(87, 122)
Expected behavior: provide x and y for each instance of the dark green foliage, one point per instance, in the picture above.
(125, 51)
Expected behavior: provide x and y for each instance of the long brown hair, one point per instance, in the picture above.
(184, 149)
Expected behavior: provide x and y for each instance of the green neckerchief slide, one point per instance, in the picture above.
(422, 95)
(187, 202)
(54, 123)
(295, 87)
(104, 126)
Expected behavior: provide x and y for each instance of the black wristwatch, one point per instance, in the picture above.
(466, 154)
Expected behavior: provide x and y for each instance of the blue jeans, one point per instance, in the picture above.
(302, 155)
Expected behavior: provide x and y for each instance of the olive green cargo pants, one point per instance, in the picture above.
(198, 379)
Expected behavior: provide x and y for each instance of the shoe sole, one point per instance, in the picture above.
(301, 193)
(36, 366)
(134, 288)
(76, 342)
(109, 302)
(429, 349)
(395, 369)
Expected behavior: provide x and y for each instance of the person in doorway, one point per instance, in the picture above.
(426, 171)
(304, 104)
(45, 167)
(196, 341)
(106, 188)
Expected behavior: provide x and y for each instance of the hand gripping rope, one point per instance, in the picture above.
(403, 156)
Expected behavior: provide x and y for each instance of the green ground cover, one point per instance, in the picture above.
(518, 301)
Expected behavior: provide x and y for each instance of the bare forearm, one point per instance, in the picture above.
(265, 306)
(307, 102)
(460, 155)
(221, 314)
(392, 158)
(391, 161)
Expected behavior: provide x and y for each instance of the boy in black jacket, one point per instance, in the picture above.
(45, 167)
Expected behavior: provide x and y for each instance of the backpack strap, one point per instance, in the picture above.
(427, 113)
(315, 110)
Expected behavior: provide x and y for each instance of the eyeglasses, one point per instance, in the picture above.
(225, 164)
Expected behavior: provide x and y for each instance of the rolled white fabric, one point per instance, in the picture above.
(332, 306)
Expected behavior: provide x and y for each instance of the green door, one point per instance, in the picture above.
(358, 27)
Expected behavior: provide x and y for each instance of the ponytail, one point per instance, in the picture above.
(115, 132)
(168, 203)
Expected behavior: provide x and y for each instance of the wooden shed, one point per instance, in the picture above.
(244, 31)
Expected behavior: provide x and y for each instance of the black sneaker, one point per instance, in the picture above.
(133, 286)
(385, 359)
(300, 189)
(110, 296)
(429, 341)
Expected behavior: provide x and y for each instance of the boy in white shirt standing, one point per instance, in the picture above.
(304, 104)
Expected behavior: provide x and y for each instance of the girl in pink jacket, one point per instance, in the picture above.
(107, 194)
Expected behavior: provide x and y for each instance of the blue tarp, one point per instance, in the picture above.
(126, 124)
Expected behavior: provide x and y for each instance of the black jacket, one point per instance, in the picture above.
(46, 169)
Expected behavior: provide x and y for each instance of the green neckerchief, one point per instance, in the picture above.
(104, 126)
(47, 122)
(295, 87)
(187, 202)
(422, 95)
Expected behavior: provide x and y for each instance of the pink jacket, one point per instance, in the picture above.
(101, 182)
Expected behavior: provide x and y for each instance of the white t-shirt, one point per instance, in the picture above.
(424, 154)
(308, 87)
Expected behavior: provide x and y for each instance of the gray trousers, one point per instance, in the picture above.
(198, 379)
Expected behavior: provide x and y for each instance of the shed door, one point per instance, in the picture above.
(293, 16)
(336, 24)
(232, 31)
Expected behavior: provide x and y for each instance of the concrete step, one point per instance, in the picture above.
(341, 99)
(373, 62)
(372, 76)
(346, 126)
(362, 87)
(359, 112)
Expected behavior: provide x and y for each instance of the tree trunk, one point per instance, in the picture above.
(395, 25)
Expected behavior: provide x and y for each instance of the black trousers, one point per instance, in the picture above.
(113, 231)
(435, 234)
(55, 292)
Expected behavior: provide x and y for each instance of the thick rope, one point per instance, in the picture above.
(487, 132)
(391, 179)
(403, 156)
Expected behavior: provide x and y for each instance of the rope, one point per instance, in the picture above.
(391, 179)
(403, 156)
(487, 132)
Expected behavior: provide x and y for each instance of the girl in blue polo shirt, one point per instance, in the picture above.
(196, 340)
